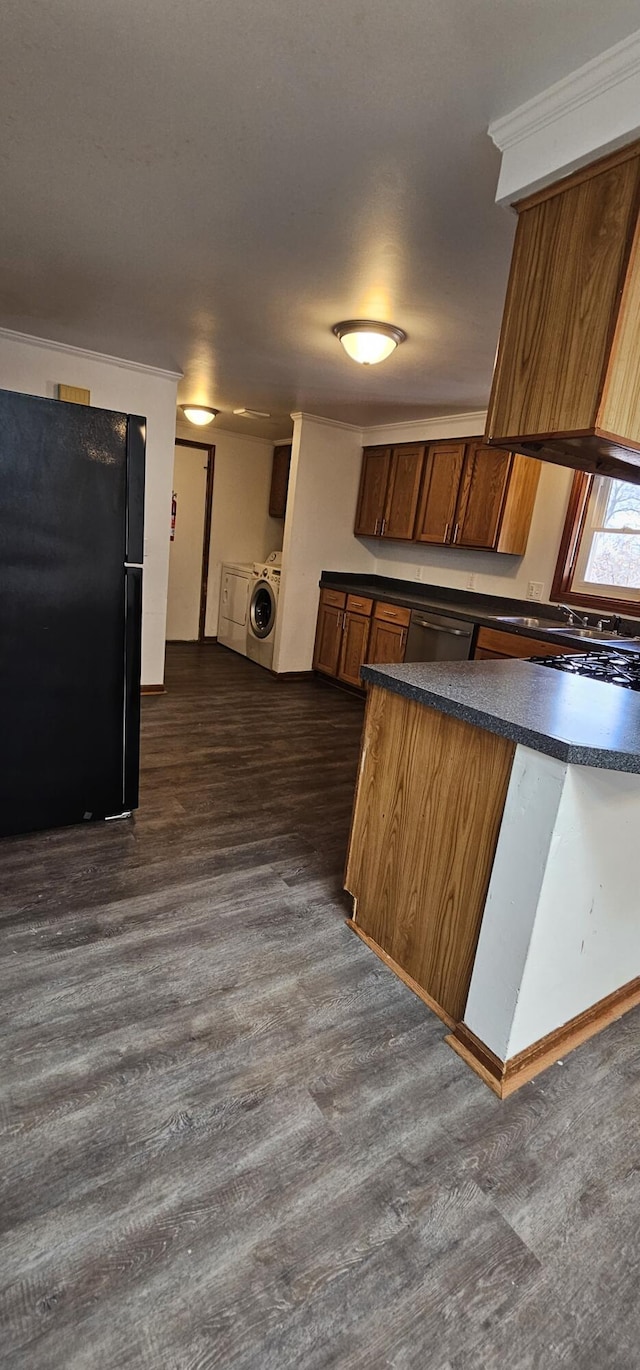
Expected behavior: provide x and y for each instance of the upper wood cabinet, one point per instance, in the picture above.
(481, 499)
(566, 386)
(389, 491)
(442, 472)
(402, 496)
(475, 496)
(279, 480)
(372, 499)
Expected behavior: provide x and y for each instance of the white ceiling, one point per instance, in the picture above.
(209, 185)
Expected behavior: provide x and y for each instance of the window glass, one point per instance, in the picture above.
(609, 556)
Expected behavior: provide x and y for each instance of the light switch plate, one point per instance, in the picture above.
(535, 589)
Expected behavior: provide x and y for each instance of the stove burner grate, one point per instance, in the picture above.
(614, 668)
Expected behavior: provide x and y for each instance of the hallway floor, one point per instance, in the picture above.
(230, 1138)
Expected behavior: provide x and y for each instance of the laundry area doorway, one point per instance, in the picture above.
(191, 509)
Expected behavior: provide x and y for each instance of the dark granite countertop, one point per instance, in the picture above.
(573, 718)
(485, 610)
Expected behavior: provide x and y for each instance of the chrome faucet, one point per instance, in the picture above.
(572, 617)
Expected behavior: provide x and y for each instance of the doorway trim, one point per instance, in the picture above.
(206, 535)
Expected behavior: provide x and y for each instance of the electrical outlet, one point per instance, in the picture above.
(419, 572)
(471, 581)
(535, 589)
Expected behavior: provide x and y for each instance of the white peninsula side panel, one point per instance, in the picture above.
(561, 928)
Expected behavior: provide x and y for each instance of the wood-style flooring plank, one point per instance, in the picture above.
(230, 1139)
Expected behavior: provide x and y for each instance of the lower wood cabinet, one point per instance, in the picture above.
(494, 643)
(328, 638)
(386, 643)
(429, 802)
(352, 631)
(355, 639)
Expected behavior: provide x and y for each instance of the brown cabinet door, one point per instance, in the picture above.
(355, 636)
(499, 642)
(483, 491)
(386, 643)
(567, 276)
(404, 489)
(372, 500)
(439, 496)
(328, 639)
(279, 481)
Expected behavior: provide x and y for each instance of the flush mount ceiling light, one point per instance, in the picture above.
(199, 413)
(368, 342)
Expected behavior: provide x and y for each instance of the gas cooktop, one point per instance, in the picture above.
(614, 668)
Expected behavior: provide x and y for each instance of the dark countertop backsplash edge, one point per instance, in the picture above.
(470, 605)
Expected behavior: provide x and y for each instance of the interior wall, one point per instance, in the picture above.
(484, 572)
(241, 529)
(566, 843)
(323, 489)
(36, 368)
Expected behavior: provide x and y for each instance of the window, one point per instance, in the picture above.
(599, 562)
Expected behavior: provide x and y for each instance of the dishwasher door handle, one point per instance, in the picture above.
(437, 628)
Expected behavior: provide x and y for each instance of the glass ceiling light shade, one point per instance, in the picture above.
(368, 342)
(199, 413)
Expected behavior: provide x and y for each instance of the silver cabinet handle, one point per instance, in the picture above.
(455, 533)
(446, 532)
(375, 531)
(437, 627)
(382, 527)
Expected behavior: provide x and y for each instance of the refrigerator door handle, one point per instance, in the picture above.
(133, 566)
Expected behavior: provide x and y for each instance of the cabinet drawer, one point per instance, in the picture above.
(358, 604)
(336, 598)
(517, 645)
(393, 613)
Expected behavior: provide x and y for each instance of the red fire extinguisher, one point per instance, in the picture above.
(174, 506)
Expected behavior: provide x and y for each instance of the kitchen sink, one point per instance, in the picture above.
(605, 634)
(521, 622)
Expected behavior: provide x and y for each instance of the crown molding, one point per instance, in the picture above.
(611, 68)
(330, 423)
(12, 336)
(420, 429)
(187, 431)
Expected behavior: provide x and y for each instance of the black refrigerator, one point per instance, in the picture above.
(71, 546)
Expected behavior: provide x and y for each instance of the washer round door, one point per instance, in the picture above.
(262, 609)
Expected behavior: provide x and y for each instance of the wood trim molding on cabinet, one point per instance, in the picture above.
(504, 1077)
(153, 689)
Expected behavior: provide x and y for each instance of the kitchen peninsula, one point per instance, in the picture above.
(493, 858)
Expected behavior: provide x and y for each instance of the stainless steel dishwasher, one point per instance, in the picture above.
(432, 637)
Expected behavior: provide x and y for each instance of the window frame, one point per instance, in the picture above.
(574, 525)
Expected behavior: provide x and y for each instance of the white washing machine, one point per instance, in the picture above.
(236, 580)
(263, 609)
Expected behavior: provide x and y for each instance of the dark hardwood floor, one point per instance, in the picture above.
(229, 1137)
